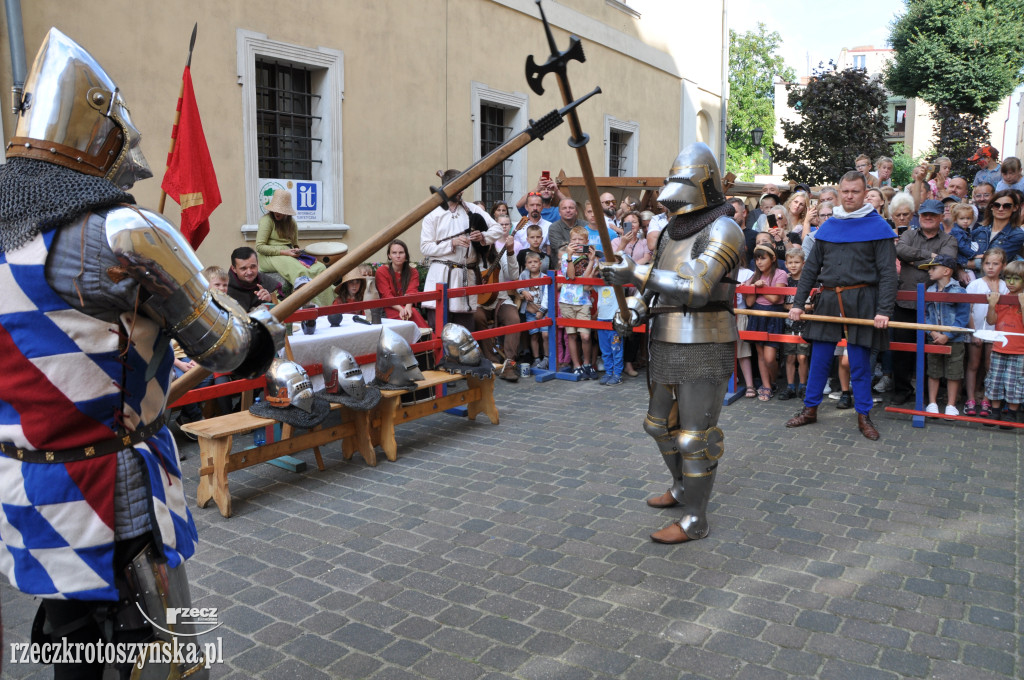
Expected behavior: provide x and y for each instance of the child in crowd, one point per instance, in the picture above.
(962, 217)
(534, 237)
(351, 289)
(191, 413)
(941, 270)
(609, 340)
(768, 275)
(795, 354)
(979, 354)
(534, 305)
(1013, 178)
(743, 349)
(1005, 379)
(577, 259)
(217, 277)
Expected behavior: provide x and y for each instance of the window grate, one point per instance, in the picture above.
(496, 182)
(284, 121)
(618, 143)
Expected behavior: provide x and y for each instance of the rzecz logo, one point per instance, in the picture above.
(186, 616)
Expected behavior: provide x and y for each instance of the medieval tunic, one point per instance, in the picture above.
(269, 245)
(451, 264)
(842, 259)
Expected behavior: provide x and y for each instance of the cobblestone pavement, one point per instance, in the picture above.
(522, 551)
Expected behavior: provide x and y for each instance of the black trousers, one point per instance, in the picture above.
(79, 621)
(903, 363)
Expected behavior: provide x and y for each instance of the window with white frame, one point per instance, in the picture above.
(621, 144)
(860, 61)
(291, 119)
(496, 116)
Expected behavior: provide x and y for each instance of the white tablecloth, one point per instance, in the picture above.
(353, 337)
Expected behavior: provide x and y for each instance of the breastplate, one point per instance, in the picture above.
(694, 325)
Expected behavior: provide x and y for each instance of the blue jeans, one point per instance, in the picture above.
(611, 352)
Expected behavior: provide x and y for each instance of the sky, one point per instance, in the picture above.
(818, 29)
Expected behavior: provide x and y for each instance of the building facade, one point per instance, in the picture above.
(362, 103)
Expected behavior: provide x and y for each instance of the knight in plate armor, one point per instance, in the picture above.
(93, 517)
(685, 296)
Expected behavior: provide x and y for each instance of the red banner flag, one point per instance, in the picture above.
(190, 179)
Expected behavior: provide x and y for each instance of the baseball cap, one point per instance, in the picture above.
(939, 261)
(986, 151)
(932, 206)
(951, 199)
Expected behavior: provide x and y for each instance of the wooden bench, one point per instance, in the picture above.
(477, 398)
(216, 459)
(359, 431)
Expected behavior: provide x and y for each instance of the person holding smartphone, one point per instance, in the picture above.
(549, 193)
(633, 241)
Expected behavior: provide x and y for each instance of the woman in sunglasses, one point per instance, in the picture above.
(1000, 228)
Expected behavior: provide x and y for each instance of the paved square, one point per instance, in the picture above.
(522, 551)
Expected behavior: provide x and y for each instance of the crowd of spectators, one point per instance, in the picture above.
(974, 224)
(953, 234)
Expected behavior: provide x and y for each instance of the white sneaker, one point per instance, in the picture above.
(828, 389)
(931, 408)
(834, 395)
(951, 410)
(884, 384)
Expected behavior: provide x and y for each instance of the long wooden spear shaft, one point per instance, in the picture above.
(556, 64)
(858, 322)
(363, 251)
(177, 114)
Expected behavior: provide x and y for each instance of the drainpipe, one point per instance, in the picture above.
(725, 83)
(16, 38)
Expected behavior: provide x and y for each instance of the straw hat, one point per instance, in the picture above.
(281, 203)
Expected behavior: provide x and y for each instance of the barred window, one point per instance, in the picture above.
(618, 143)
(496, 183)
(622, 142)
(284, 121)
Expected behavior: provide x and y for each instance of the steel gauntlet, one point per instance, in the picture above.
(210, 327)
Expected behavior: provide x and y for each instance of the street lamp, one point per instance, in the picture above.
(756, 134)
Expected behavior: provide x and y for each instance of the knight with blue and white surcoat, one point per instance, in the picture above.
(92, 508)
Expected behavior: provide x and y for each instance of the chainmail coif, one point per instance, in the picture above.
(36, 197)
(688, 224)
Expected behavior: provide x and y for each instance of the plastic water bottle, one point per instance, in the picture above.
(259, 435)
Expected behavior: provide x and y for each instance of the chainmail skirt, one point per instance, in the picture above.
(710, 362)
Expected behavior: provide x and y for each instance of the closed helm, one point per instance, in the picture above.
(288, 384)
(342, 374)
(460, 346)
(396, 364)
(73, 115)
(694, 182)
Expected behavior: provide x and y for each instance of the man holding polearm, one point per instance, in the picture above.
(854, 261)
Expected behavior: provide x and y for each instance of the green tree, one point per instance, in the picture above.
(961, 54)
(753, 65)
(958, 136)
(842, 115)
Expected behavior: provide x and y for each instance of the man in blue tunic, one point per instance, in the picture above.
(854, 261)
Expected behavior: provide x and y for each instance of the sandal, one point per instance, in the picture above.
(985, 410)
(751, 393)
(764, 393)
(970, 408)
